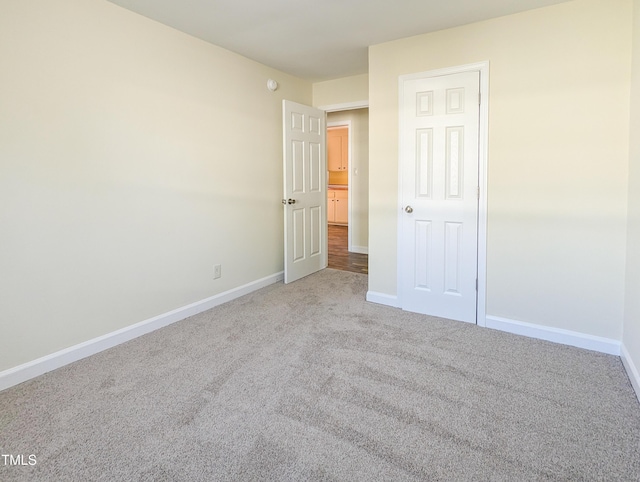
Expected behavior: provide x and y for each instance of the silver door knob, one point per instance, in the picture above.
(408, 209)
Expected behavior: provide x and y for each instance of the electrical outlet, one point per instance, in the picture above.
(217, 271)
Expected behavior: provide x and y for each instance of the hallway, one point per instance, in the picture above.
(339, 256)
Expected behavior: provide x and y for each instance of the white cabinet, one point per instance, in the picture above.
(338, 148)
(338, 206)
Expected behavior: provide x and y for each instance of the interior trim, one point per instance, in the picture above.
(632, 371)
(382, 299)
(556, 335)
(359, 104)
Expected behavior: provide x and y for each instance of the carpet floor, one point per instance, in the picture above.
(308, 381)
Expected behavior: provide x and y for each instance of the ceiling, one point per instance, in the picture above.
(318, 40)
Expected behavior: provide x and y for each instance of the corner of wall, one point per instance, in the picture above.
(631, 329)
(633, 372)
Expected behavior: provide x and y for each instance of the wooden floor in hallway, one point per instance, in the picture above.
(339, 255)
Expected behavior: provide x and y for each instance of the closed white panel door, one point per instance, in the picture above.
(438, 242)
(305, 195)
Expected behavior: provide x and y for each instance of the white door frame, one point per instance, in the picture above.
(361, 104)
(483, 151)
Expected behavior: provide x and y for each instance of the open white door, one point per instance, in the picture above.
(438, 246)
(305, 190)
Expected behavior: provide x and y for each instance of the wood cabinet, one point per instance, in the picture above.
(338, 148)
(338, 206)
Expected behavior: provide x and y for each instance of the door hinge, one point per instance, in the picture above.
(478, 192)
(479, 98)
(476, 284)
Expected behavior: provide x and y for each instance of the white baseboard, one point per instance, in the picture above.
(632, 370)
(556, 335)
(32, 369)
(383, 299)
(359, 249)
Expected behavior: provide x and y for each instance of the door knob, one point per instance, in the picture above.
(408, 209)
(291, 201)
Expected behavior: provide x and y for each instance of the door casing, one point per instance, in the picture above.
(483, 138)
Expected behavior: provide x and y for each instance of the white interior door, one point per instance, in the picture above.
(438, 243)
(305, 190)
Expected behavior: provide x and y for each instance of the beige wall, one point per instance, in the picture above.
(341, 91)
(133, 159)
(558, 158)
(359, 167)
(631, 336)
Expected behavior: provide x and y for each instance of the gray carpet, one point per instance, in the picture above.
(310, 382)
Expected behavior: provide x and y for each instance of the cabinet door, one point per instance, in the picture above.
(334, 152)
(344, 158)
(338, 149)
(342, 207)
(331, 207)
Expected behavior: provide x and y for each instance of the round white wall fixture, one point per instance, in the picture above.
(272, 85)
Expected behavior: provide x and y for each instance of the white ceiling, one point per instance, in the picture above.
(318, 39)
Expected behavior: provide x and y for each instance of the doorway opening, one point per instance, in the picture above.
(348, 189)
